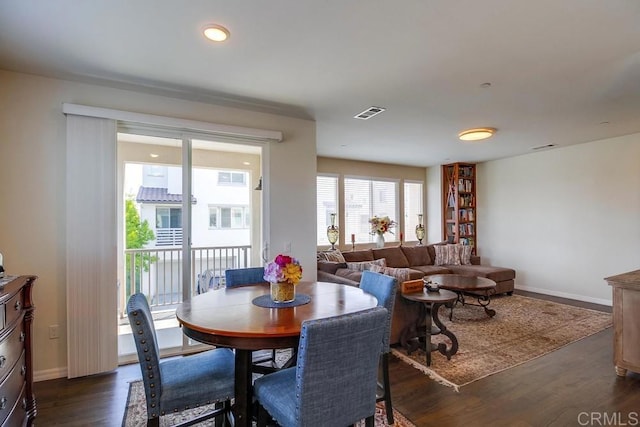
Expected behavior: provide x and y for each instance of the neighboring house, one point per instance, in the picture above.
(220, 206)
(220, 219)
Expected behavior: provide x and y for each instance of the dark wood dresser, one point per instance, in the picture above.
(17, 403)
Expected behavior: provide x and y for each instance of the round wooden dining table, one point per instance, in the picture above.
(227, 317)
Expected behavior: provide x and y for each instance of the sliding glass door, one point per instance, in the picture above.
(189, 212)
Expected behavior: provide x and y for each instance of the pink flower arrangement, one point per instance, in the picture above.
(283, 269)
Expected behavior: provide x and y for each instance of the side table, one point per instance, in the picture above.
(480, 288)
(431, 302)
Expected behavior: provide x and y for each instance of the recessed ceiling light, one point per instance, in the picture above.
(476, 134)
(246, 163)
(154, 155)
(216, 33)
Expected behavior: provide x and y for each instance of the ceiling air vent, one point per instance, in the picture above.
(368, 113)
(543, 147)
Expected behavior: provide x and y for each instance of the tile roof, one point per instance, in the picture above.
(159, 195)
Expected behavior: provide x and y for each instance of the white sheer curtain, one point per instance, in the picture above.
(91, 246)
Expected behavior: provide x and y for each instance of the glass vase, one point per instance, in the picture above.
(333, 232)
(379, 240)
(282, 292)
(420, 230)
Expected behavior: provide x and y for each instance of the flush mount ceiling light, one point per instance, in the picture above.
(476, 134)
(216, 33)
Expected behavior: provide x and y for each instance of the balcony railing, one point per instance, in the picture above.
(157, 273)
(168, 236)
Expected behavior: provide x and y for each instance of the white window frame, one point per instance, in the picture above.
(245, 220)
(231, 181)
(169, 207)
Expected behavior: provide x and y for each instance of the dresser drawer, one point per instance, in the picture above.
(10, 350)
(13, 308)
(17, 417)
(11, 388)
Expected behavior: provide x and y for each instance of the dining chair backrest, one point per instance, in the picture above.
(146, 344)
(337, 365)
(176, 384)
(384, 288)
(244, 276)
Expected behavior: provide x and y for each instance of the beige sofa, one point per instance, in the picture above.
(405, 263)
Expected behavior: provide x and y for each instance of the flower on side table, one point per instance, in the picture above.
(284, 272)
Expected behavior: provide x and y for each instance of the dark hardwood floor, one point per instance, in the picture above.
(573, 386)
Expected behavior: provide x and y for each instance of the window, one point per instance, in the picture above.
(229, 217)
(168, 217)
(168, 226)
(232, 178)
(365, 198)
(413, 206)
(326, 204)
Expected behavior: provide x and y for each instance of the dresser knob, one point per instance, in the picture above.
(3, 403)
(24, 403)
(18, 305)
(22, 336)
(23, 371)
(3, 361)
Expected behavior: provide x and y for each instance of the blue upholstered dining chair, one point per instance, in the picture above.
(244, 276)
(384, 288)
(176, 384)
(334, 382)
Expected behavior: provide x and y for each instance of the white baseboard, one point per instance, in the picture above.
(50, 374)
(566, 295)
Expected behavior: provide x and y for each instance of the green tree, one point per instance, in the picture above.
(138, 234)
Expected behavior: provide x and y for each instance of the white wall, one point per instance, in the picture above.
(563, 219)
(32, 183)
(434, 205)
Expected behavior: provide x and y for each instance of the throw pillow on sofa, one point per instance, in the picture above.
(447, 254)
(335, 256)
(465, 254)
(366, 265)
(400, 274)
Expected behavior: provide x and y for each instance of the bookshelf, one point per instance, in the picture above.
(459, 204)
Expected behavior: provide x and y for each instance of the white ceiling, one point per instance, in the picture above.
(561, 71)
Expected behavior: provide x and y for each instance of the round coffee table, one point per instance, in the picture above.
(479, 288)
(431, 302)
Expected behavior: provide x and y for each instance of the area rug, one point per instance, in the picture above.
(135, 414)
(522, 330)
